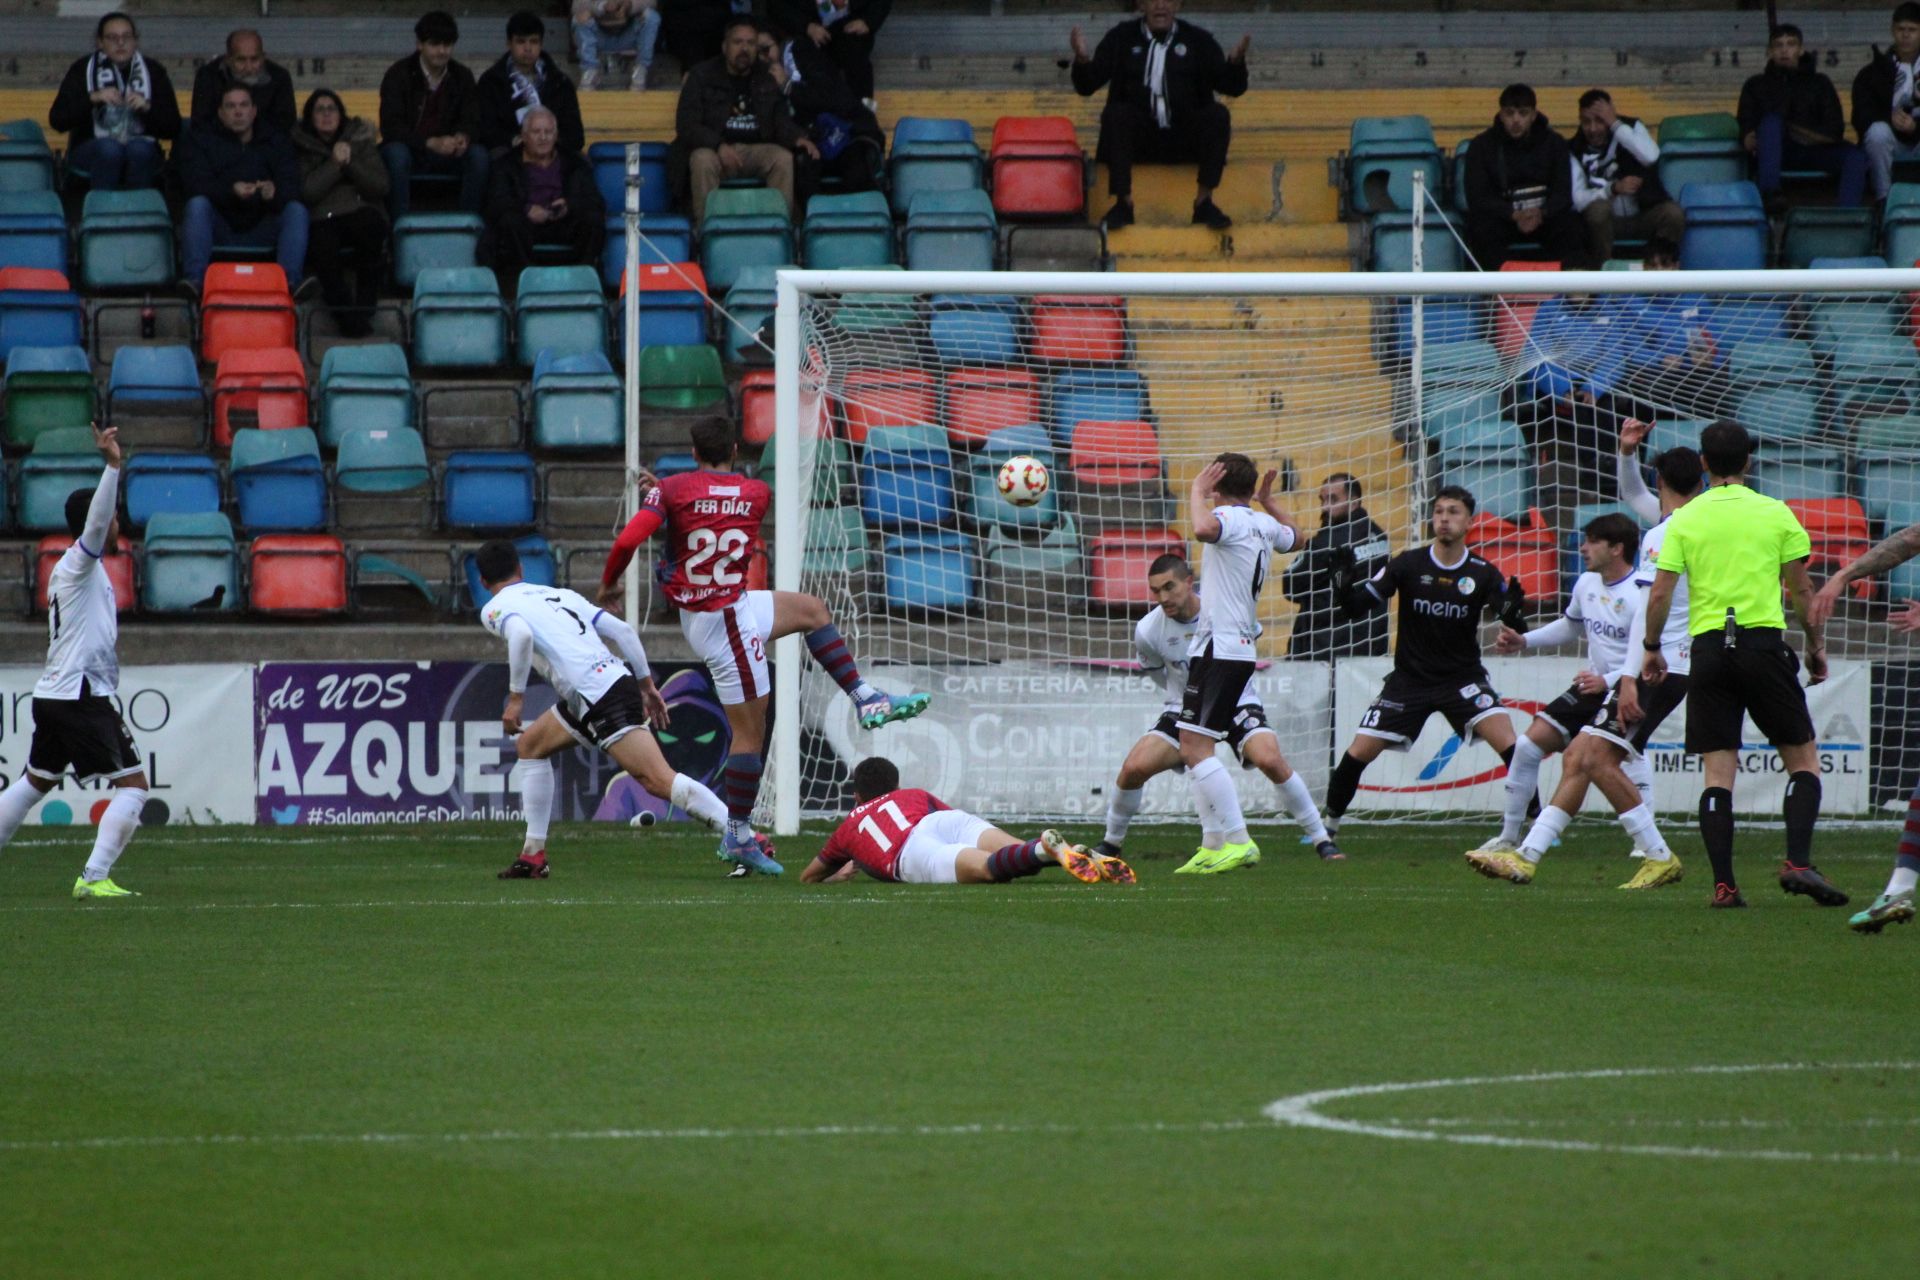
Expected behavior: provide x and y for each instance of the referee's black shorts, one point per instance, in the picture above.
(1759, 677)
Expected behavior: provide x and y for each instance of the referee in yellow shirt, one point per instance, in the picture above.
(1737, 548)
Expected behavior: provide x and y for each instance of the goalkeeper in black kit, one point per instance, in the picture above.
(1444, 590)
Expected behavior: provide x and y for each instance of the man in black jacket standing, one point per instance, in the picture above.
(1886, 101)
(1163, 75)
(527, 77)
(1790, 117)
(430, 118)
(243, 187)
(1346, 531)
(732, 121)
(245, 63)
(1520, 187)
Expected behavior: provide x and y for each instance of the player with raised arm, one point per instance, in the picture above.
(1443, 590)
(712, 520)
(1601, 605)
(75, 725)
(913, 837)
(1240, 543)
(1164, 640)
(603, 703)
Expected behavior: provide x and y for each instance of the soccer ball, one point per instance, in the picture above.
(1023, 481)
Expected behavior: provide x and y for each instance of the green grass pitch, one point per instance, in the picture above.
(357, 1053)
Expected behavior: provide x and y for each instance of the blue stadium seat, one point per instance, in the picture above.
(1890, 485)
(906, 478)
(1727, 227)
(930, 570)
(559, 309)
(157, 378)
(847, 232)
(425, 240)
(1736, 319)
(676, 464)
(751, 304)
(126, 240)
(1501, 480)
(190, 559)
(363, 386)
(537, 566)
(33, 231)
(987, 506)
(486, 490)
(975, 329)
(40, 318)
(951, 231)
(665, 237)
(1790, 471)
(61, 462)
(577, 403)
(1443, 321)
(279, 484)
(609, 161)
(673, 305)
(1390, 244)
(458, 318)
(154, 483)
(1094, 395)
(930, 155)
(743, 227)
(1383, 154)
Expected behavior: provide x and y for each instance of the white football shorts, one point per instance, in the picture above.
(933, 847)
(733, 642)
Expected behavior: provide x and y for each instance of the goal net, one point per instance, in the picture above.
(900, 395)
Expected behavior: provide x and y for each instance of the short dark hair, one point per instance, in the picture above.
(525, 22)
(1348, 479)
(740, 20)
(1518, 95)
(1459, 493)
(497, 560)
(436, 26)
(1679, 469)
(1784, 29)
(714, 440)
(1170, 563)
(1615, 528)
(1240, 478)
(1661, 247)
(874, 777)
(100, 27)
(77, 503)
(1725, 448)
(1592, 96)
(1908, 12)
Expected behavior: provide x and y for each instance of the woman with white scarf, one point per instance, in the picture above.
(116, 106)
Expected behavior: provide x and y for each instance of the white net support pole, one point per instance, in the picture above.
(631, 354)
(790, 536)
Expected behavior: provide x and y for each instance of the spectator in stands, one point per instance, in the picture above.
(1886, 114)
(245, 63)
(1346, 533)
(1615, 185)
(1520, 187)
(116, 107)
(243, 188)
(525, 78)
(345, 188)
(1790, 119)
(852, 145)
(1163, 74)
(430, 118)
(733, 122)
(540, 195)
(604, 28)
(842, 30)
(693, 29)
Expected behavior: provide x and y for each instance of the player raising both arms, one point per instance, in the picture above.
(913, 837)
(75, 726)
(603, 703)
(712, 518)
(1164, 641)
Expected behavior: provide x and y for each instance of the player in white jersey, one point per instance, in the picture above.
(603, 702)
(1163, 641)
(1600, 606)
(1240, 545)
(75, 725)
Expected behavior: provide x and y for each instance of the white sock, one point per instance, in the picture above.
(1903, 881)
(535, 786)
(1646, 836)
(1212, 781)
(1546, 829)
(1300, 804)
(1122, 804)
(697, 800)
(16, 802)
(1639, 771)
(861, 692)
(117, 826)
(1523, 783)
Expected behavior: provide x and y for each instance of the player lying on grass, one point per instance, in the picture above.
(1895, 903)
(1163, 641)
(912, 837)
(604, 703)
(712, 520)
(1601, 751)
(75, 725)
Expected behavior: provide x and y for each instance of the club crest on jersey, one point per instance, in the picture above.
(1466, 586)
(1482, 702)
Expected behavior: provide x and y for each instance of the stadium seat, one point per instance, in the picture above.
(258, 388)
(1456, 432)
(673, 464)
(609, 161)
(425, 240)
(664, 238)
(906, 478)
(1094, 395)
(850, 231)
(1077, 330)
(62, 460)
(1501, 480)
(458, 319)
(1444, 321)
(1735, 319)
(153, 483)
(1674, 433)
(1571, 564)
(756, 408)
(1039, 246)
(1455, 415)
(1777, 363)
(119, 566)
(1889, 481)
(126, 241)
(1118, 475)
(836, 543)
(1792, 472)
(363, 386)
(1513, 313)
(1839, 531)
(975, 328)
(681, 377)
(487, 491)
(1727, 228)
(673, 304)
(559, 309)
(381, 479)
(37, 309)
(1900, 228)
(26, 162)
(1896, 434)
(1036, 168)
(981, 402)
(1826, 233)
(1034, 576)
(933, 569)
(47, 388)
(537, 566)
(873, 398)
(1701, 149)
(297, 574)
(1390, 243)
(951, 231)
(245, 306)
(748, 309)
(190, 563)
(577, 403)
(1383, 154)
(1790, 412)
(832, 471)
(743, 227)
(33, 230)
(152, 384)
(278, 480)
(988, 507)
(1117, 564)
(1526, 552)
(877, 313)
(1873, 378)
(930, 155)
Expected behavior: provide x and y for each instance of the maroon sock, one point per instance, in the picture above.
(1014, 861)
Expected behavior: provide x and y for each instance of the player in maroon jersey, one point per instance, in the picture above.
(912, 837)
(712, 517)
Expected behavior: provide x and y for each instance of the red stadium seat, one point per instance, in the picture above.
(982, 401)
(1512, 320)
(886, 398)
(245, 306)
(47, 555)
(39, 278)
(1117, 564)
(1104, 455)
(270, 385)
(1530, 553)
(756, 407)
(660, 277)
(1036, 168)
(298, 573)
(1082, 330)
(1839, 532)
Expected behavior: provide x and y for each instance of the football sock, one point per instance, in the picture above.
(1014, 861)
(694, 798)
(1906, 873)
(1801, 808)
(1122, 804)
(1523, 784)
(1346, 781)
(536, 800)
(1300, 804)
(1906, 859)
(1639, 771)
(1716, 829)
(831, 652)
(117, 825)
(15, 803)
(1212, 781)
(1546, 829)
(1646, 835)
(740, 782)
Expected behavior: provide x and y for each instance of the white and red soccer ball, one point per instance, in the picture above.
(1023, 481)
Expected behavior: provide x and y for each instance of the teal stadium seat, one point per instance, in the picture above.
(33, 231)
(847, 231)
(987, 506)
(1782, 413)
(1501, 480)
(126, 240)
(458, 318)
(1457, 433)
(1727, 228)
(61, 461)
(26, 162)
(422, 241)
(363, 386)
(1890, 482)
(931, 155)
(751, 303)
(382, 480)
(1792, 472)
(577, 402)
(1390, 244)
(559, 309)
(1034, 574)
(951, 231)
(1700, 148)
(190, 563)
(1900, 434)
(279, 484)
(1778, 363)
(1383, 154)
(743, 227)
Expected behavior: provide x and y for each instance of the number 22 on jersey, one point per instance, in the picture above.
(713, 555)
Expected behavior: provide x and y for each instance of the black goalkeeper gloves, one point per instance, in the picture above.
(1513, 605)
